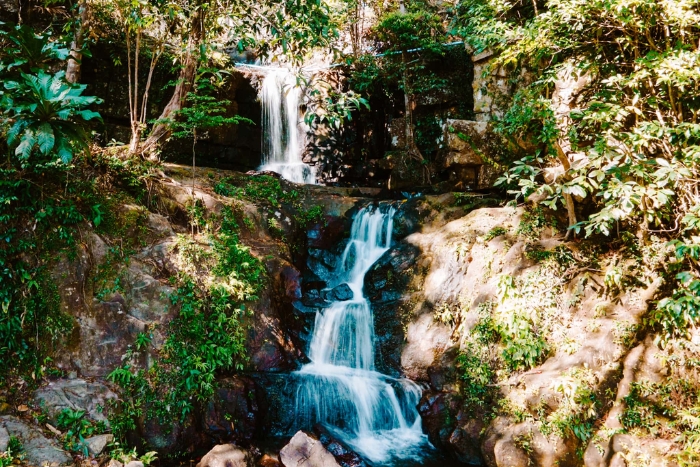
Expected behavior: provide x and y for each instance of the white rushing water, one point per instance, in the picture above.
(280, 98)
(376, 415)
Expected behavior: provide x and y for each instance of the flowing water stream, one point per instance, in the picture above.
(280, 96)
(374, 414)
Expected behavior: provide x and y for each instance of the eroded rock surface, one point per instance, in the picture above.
(39, 450)
(226, 455)
(304, 450)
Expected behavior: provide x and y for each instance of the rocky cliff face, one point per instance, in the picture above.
(534, 355)
(532, 348)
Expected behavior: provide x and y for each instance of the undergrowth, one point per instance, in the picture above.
(207, 337)
(44, 211)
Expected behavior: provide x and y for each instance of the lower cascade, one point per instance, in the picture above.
(374, 414)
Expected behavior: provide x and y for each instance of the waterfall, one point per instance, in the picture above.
(280, 98)
(374, 414)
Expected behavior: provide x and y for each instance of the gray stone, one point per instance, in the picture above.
(75, 394)
(114, 463)
(134, 464)
(226, 455)
(97, 444)
(39, 450)
(305, 451)
(4, 439)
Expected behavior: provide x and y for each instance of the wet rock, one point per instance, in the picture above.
(291, 281)
(303, 309)
(464, 442)
(74, 394)
(341, 293)
(38, 449)
(386, 286)
(322, 262)
(326, 235)
(169, 437)
(345, 456)
(226, 455)
(438, 411)
(97, 444)
(233, 413)
(277, 394)
(304, 450)
(310, 281)
(314, 299)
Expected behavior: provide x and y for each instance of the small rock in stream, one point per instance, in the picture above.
(304, 450)
(226, 455)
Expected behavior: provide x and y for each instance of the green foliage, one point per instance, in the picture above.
(628, 149)
(287, 29)
(532, 223)
(77, 428)
(206, 338)
(13, 454)
(40, 113)
(204, 110)
(477, 377)
(313, 215)
(258, 188)
(523, 346)
(495, 232)
(25, 51)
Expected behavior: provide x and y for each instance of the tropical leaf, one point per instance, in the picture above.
(45, 138)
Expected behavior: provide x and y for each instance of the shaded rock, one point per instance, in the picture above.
(38, 449)
(464, 444)
(438, 411)
(134, 464)
(315, 299)
(74, 394)
(96, 444)
(4, 438)
(226, 455)
(471, 149)
(326, 235)
(277, 393)
(269, 461)
(340, 293)
(345, 456)
(233, 413)
(304, 450)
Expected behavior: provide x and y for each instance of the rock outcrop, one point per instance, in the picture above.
(39, 450)
(304, 450)
(432, 288)
(226, 455)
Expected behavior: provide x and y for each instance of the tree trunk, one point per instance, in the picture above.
(184, 84)
(73, 69)
(568, 199)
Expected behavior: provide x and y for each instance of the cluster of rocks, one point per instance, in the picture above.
(303, 450)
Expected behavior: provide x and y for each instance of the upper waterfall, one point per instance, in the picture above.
(280, 96)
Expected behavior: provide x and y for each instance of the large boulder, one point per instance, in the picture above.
(74, 394)
(304, 450)
(226, 455)
(39, 450)
(345, 456)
